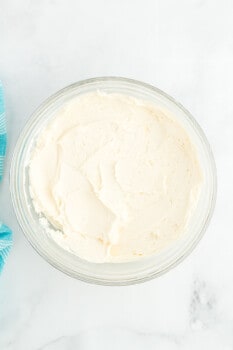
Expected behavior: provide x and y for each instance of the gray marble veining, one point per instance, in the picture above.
(182, 47)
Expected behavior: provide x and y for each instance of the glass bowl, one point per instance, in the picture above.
(110, 273)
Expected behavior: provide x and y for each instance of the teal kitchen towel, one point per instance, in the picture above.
(5, 232)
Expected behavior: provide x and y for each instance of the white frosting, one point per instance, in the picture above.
(117, 176)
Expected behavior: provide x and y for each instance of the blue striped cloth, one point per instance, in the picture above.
(5, 232)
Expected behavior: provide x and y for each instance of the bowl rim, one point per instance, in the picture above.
(13, 176)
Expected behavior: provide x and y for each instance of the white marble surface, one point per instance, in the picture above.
(183, 47)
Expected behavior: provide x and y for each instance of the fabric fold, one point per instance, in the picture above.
(5, 231)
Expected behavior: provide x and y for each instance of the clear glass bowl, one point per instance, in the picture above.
(107, 273)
